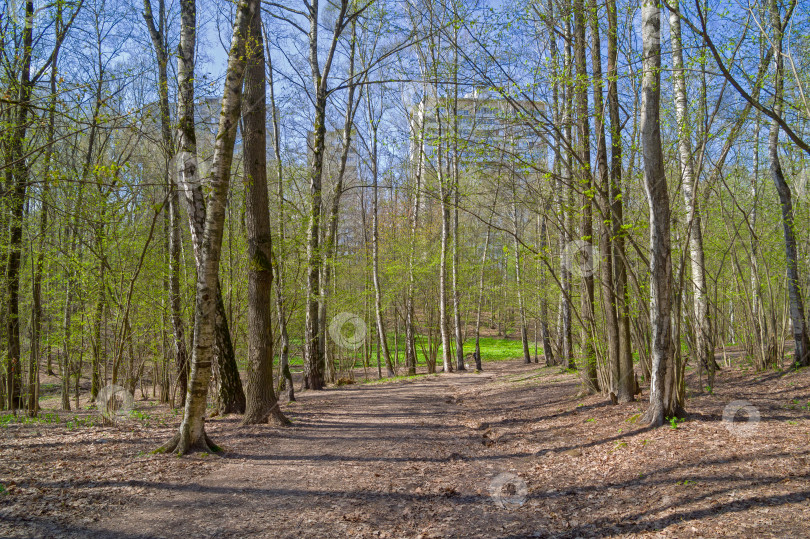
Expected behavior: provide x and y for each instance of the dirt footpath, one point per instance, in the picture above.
(506, 453)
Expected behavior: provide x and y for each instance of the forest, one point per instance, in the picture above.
(404, 268)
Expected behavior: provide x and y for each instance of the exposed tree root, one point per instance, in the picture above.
(655, 416)
(181, 444)
(273, 415)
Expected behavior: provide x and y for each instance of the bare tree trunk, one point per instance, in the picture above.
(410, 320)
(36, 295)
(561, 184)
(456, 294)
(286, 381)
(313, 372)
(626, 388)
(17, 196)
(663, 391)
(175, 299)
(74, 245)
(548, 353)
(66, 335)
(604, 205)
(703, 336)
(456, 188)
(191, 434)
(480, 302)
(231, 394)
(801, 357)
(161, 47)
(261, 404)
(95, 383)
(589, 380)
(375, 247)
(762, 334)
(566, 204)
(330, 246)
(313, 357)
(524, 336)
(447, 361)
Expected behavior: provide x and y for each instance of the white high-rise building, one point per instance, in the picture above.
(488, 135)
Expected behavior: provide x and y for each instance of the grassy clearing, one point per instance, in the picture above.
(492, 349)
(373, 381)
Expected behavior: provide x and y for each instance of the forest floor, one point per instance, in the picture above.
(510, 452)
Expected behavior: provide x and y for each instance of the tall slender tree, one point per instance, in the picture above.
(261, 402)
(231, 394)
(588, 361)
(801, 334)
(704, 347)
(664, 395)
(160, 44)
(626, 386)
(191, 434)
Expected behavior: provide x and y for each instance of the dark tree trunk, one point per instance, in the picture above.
(231, 393)
(626, 386)
(801, 357)
(588, 360)
(18, 186)
(286, 381)
(617, 377)
(664, 396)
(261, 403)
(161, 46)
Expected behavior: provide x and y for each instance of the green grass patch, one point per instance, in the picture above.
(22, 419)
(493, 349)
(372, 381)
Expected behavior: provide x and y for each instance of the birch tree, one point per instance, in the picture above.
(231, 394)
(191, 434)
(703, 337)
